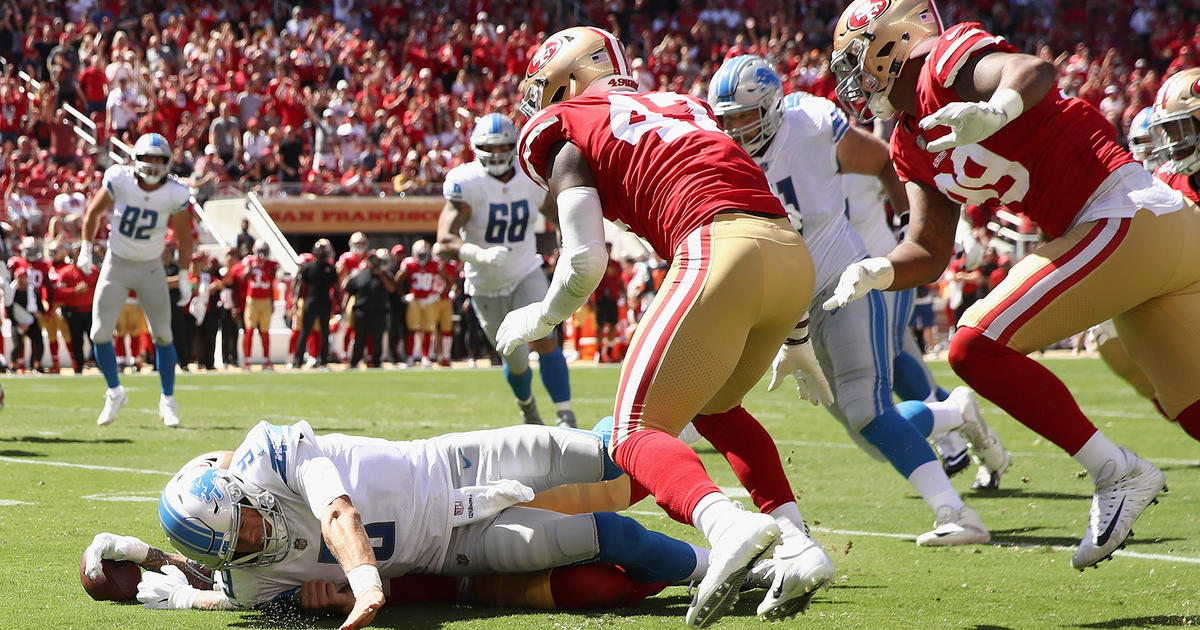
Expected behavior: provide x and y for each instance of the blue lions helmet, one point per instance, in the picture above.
(202, 510)
(1141, 144)
(494, 141)
(742, 85)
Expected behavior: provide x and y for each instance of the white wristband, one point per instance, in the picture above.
(1008, 101)
(363, 578)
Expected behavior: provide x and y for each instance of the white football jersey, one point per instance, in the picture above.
(402, 490)
(864, 199)
(502, 213)
(139, 218)
(802, 169)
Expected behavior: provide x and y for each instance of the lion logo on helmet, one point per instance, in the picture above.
(204, 487)
(865, 11)
(544, 55)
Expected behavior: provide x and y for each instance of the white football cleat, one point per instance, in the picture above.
(963, 527)
(985, 444)
(114, 400)
(168, 410)
(739, 549)
(1117, 503)
(797, 570)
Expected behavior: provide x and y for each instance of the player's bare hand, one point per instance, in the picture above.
(364, 610)
(323, 595)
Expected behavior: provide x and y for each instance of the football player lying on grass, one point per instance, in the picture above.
(290, 508)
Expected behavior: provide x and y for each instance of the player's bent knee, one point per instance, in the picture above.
(547, 539)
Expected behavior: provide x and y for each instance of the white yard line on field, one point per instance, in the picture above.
(1158, 460)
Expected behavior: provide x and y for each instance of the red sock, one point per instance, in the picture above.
(54, 351)
(292, 341)
(1189, 419)
(119, 347)
(265, 337)
(597, 586)
(1042, 403)
(668, 468)
(247, 343)
(348, 340)
(135, 347)
(751, 453)
(637, 491)
(421, 588)
(314, 344)
(408, 343)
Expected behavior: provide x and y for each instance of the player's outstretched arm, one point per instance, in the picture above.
(919, 259)
(582, 259)
(342, 529)
(101, 204)
(996, 88)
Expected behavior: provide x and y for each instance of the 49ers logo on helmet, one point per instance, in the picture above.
(865, 11)
(543, 56)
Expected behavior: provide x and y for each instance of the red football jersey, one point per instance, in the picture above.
(1179, 182)
(423, 280)
(662, 165)
(348, 262)
(260, 277)
(38, 272)
(1046, 163)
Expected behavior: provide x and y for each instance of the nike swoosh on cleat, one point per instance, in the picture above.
(1102, 539)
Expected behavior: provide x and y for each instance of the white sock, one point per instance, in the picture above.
(947, 417)
(117, 391)
(701, 563)
(166, 398)
(1102, 459)
(418, 342)
(447, 344)
(562, 406)
(787, 516)
(714, 514)
(931, 481)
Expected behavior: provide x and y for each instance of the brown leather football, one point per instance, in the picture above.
(118, 581)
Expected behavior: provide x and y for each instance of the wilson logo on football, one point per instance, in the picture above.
(543, 56)
(865, 12)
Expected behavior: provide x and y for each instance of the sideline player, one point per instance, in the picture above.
(259, 271)
(498, 245)
(293, 508)
(804, 144)
(979, 123)
(426, 278)
(739, 282)
(140, 199)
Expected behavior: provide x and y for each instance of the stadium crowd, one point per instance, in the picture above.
(377, 98)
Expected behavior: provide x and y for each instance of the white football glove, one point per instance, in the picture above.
(973, 122)
(860, 279)
(521, 326)
(801, 362)
(491, 256)
(84, 262)
(185, 290)
(106, 546)
(168, 590)
(475, 503)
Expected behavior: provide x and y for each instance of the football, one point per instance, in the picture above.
(118, 581)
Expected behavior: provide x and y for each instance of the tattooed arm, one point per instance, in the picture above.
(198, 575)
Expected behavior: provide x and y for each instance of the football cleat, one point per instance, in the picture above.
(739, 549)
(952, 450)
(985, 444)
(168, 410)
(114, 400)
(529, 412)
(963, 527)
(566, 418)
(797, 570)
(1117, 503)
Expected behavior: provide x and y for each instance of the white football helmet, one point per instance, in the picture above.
(421, 251)
(201, 511)
(494, 141)
(1140, 142)
(1174, 125)
(358, 243)
(747, 84)
(151, 145)
(262, 249)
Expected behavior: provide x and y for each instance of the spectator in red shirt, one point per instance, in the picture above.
(73, 292)
(606, 301)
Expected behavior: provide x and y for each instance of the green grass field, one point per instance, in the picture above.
(65, 479)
